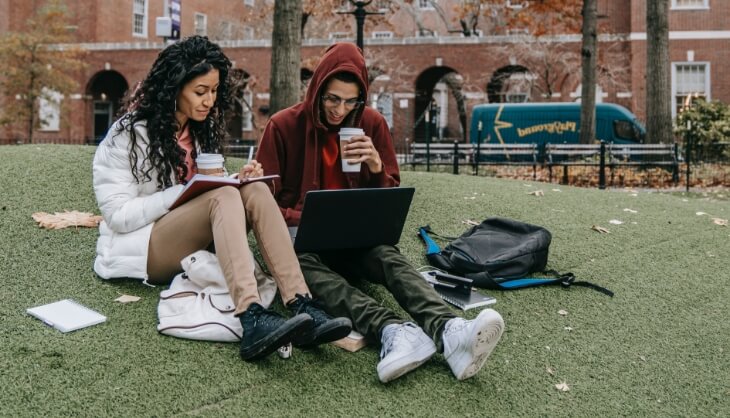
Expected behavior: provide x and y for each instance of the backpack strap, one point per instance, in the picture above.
(485, 280)
(433, 251)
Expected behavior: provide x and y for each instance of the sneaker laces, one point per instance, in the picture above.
(392, 335)
(305, 304)
(267, 318)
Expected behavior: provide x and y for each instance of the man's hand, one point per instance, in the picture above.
(360, 149)
(252, 169)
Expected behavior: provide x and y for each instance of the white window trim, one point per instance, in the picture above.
(339, 35)
(49, 110)
(708, 82)
(515, 4)
(145, 20)
(428, 6)
(247, 114)
(382, 34)
(704, 6)
(205, 23)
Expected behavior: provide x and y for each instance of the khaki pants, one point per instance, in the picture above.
(220, 216)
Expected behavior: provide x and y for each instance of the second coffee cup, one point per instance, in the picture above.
(210, 164)
(345, 135)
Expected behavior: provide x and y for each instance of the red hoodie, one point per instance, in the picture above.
(291, 145)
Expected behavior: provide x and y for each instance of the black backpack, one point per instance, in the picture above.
(498, 254)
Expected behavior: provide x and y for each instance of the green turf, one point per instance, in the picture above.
(659, 348)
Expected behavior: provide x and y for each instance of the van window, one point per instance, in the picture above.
(625, 130)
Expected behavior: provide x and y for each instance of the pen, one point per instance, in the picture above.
(250, 153)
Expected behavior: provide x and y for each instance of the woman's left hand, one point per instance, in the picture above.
(252, 169)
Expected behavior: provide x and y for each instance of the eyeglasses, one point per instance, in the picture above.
(332, 100)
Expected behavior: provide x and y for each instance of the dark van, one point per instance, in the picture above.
(554, 123)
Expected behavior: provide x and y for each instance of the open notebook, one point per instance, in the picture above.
(66, 315)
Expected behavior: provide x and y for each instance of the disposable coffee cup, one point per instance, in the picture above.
(345, 135)
(210, 164)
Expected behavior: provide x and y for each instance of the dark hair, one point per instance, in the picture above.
(155, 100)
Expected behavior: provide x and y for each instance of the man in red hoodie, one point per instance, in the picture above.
(301, 144)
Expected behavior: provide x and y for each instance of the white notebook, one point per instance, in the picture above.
(66, 315)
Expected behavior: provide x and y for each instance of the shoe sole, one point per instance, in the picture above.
(400, 366)
(487, 331)
(334, 330)
(293, 328)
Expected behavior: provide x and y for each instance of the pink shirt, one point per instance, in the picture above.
(185, 141)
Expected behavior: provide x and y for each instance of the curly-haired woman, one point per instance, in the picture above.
(141, 167)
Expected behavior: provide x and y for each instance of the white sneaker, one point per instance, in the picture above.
(468, 344)
(405, 347)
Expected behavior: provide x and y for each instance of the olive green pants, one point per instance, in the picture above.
(331, 277)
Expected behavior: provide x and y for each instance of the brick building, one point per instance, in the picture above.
(418, 52)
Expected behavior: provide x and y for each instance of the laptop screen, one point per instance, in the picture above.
(352, 218)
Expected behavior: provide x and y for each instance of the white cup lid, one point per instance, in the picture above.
(351, 131)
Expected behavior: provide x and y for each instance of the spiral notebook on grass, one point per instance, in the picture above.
(66, 315)
(457, 290)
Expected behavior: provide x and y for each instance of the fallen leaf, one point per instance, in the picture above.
(634, 194)
(568, 329)
(562, 386)
(127, 299)
(557, 190)
(470, 222)
(550, 371)
(600, 229)
(563, 312)
(642, 358)
(700, 213)
(537, 193)
(527, 185)
(719, 221)
(630, 210)
(615, 222)
(60, 220)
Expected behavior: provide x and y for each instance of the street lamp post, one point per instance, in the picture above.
(360, 15)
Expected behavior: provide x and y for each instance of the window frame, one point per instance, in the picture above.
(704, 6)
(196, 29)
(708, 82)
(145, 19)
(386, 34)
(425, 5)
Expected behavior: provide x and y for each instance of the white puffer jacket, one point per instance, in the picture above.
(129, 208)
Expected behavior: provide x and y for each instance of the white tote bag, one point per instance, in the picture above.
(198, 306)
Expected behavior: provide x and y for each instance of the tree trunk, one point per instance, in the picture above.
(589, 51)
(658, 84)
(286, 44)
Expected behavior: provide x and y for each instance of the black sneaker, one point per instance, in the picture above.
(325, 329)
(264, 331)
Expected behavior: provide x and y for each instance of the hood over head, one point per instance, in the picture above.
(340, 57)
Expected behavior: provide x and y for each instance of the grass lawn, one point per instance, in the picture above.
(659, 348)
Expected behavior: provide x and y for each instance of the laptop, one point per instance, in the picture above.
(351, 218)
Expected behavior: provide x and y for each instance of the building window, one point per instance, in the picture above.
(384, 104)
(248, 2)
(246, 113)
(49, 110)
(690, 4)
(690, 81)
(139, 18)
(339, 35)
(248, 32)
(201, 24)
(225, 30)
(515, 4)
(386, 34)
(382, 5)
(425, 4)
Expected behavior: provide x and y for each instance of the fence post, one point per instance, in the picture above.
(456, 156)
(479, 143)
(675, 167)
(428, 141)
(688, 151)
(602, 167)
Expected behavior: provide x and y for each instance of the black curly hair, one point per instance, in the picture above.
(154, 102)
